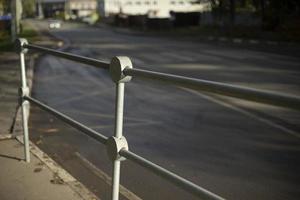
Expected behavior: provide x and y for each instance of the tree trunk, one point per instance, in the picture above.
(232, 12)
(13, 20)
(263, 10)
(221, 11)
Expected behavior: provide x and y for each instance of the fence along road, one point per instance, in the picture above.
(121, 72)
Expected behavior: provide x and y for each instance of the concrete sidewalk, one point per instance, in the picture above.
(42, 178)
(20, 180)
(9, 84)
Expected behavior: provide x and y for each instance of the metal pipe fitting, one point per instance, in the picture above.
(114, 145)
(20, 45)
(117, 66)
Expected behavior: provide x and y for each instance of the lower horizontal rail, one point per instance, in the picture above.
(261, 96)
(174, 178)
(90, 132)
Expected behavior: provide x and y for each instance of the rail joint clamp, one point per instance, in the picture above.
(19, 45)
(23, 91)
(117, 65)
(114, 145)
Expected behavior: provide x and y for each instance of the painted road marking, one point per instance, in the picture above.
(229, 54)
(178, 56)
(154, 57)
(107, 179)
(201, 55)
(243, 111)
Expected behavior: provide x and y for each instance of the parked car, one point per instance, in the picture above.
(92, 19)
(55, 24)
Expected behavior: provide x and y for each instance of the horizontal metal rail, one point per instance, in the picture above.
(174, 178)
(70, 56)
(261, 96)
(225, 89)
(90, 132)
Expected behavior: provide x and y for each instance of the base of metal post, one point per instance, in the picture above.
(25, 110)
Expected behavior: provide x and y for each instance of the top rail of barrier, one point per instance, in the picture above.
(245, 93)
(69, 56)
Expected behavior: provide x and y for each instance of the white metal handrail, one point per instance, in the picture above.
(246, 93)
(121, 71)
(69, 56)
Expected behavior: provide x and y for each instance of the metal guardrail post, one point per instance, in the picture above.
(118, 142)
(24, 91)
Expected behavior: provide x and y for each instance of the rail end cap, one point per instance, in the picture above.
(114, 146)
(19, 45)
(116, 68)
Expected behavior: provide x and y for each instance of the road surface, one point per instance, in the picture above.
(237, 149)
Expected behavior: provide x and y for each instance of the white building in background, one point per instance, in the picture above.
(80, 8)
(70, 8)
(151, 8)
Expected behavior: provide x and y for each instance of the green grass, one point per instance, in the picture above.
(5, 40)
(29, 34)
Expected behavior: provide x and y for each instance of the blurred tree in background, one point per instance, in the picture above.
(29, 8)
(4, 7)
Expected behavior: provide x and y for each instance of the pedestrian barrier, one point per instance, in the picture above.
(121, 72)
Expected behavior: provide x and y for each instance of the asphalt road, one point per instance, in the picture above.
(237, 149)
